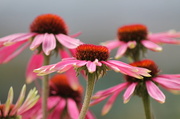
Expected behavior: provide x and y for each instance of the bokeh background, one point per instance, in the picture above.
(98, 21)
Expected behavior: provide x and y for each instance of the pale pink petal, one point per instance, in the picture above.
(111, 90)
(131, 44)
(37, 41)
(121, 51)
(110, 102)
(129, 92)
(57, 111)
(76, 35)
(155, 92)
(26, 36)
(35, 62)
(81, 63)
(68, 41)
(49, 43)
(169, 84)
(112, 44)
(72, 108)
(152, 46)
(91, 66)
(9, 38)
(7, 53)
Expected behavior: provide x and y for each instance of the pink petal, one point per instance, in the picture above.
(112, 44)
(169, 76)
(110, 102)
(72, 108)
(9, 38)
(76, 35)
(57, 111)
(37, 41)
(121, 51)
(152, 46)
(49, 43)
(91, 66)
(71, 74)
(155, 92)
(169, 84)
(67, 41)
(23, 37)
(64, 54)
(35, 62)
(89, 115)
(96, 101)
(7, 53)
(111, 90)
(131, 44)
(129, 91)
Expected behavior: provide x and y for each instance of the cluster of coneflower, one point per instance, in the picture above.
(62, 94)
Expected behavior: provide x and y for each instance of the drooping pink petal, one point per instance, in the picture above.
(152, 46)
(49, 43)
(23, 37)
(169, 84)
(112, 44)
(169, 76)
(110, 102)
(71, 74)
(96, 101)
(72, 108)
(121, 51)
(129, 91)
(57, 111)
(37, 41)
(111, 90)
(9, 38)
(76, 35)
(89, 115)
(68, 41)
(35, 62)
(91, 66)
(155, 92)
(7, 53)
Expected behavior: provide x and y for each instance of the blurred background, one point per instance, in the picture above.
(98, 21)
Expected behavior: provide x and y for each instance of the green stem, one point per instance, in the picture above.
(45, 89)
(89, 90)
(146, 103)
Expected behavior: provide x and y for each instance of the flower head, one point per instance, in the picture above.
(94, 61)
(9, 110)
(133, 41)
(136, 86)
(48, 34)
(63, 102)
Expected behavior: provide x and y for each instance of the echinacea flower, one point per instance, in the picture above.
(138, 87)
(63, 101)
(93, 60)
(48, 34)
(133, 41)
(16, 111)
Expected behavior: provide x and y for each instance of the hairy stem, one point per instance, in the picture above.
(89, 91)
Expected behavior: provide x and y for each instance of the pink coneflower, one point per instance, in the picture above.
(138, 87)
(133, 40)
(16, 111)
(63, 101)
(93, 60)
(48, 34)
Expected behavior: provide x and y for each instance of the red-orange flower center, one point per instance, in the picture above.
(49, 23)
(136, 32)
(59, 86)
(91, 52)
(2, 111)
(148, 64)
